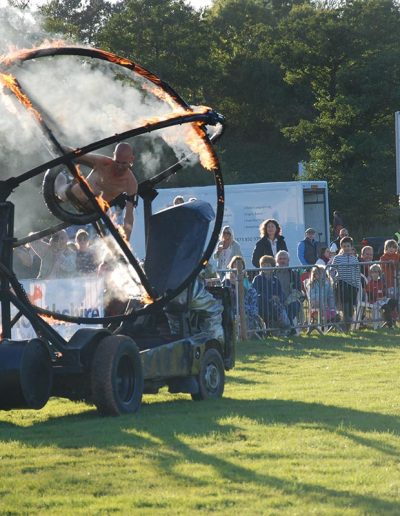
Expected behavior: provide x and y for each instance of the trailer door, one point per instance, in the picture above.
(316, 213)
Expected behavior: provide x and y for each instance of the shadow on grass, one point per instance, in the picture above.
(369, 342)
(171, 423)
(201, 418)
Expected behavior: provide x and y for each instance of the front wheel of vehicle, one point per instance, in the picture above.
(117, 376)
(212, 376)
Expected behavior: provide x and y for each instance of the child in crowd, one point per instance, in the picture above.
(270, 295)
(320, 295)
(390, 263)
(291, 286)
(324, 256)
(238, 266)
(348, 279)
(376, 292)
(86, 261)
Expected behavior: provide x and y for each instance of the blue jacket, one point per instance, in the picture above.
(307, 251)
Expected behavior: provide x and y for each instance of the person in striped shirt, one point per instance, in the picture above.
(348, 279)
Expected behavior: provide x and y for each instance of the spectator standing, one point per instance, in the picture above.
(338, 223)
(348, 279)
(366, 255)
(335, 245)
(291, 286)
(57, 260)
(324, 257)
(307, 248)
(26, 263)
(270, 243)
(320, 294)
(390, 264)
(86, 262)
(271, 298)
(377, 296)
(237, 266)
(227, 248)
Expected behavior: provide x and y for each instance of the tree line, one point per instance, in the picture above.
(315, 82)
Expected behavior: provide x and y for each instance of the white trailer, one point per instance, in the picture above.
(296, 205)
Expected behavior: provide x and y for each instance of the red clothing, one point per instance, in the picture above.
(375, 290)
(389, 268)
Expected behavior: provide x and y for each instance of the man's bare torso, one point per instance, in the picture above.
(103, 178)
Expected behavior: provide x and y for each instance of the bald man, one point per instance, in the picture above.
(109, 177)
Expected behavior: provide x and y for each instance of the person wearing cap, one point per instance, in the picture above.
(307, 248)
(227, 248)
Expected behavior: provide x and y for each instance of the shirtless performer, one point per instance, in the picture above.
(109, 177)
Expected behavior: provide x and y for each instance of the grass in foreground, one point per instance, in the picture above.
(306, 426)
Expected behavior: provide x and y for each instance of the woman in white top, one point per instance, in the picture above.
(227, 248)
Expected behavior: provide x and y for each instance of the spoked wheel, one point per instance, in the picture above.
(212, 376)
(63, 210)
(117, 376)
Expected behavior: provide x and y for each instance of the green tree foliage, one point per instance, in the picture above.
(347, 58)
(296, 80)
(248, 87)
(77, 19)
(166, 36)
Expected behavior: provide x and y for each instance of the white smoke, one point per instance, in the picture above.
(82, 100)
(121, 280)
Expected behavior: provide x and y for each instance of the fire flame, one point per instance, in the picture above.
(11, 83)
(52, 320)
(101, 201)
(19, 54)
(161, 94)
(197, 142)
(195, 137)
(120, 229)
(147, 299)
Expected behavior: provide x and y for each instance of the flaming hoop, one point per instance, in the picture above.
(197, 140)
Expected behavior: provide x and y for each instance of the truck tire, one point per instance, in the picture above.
(55, 206)
(117, 376)
(211, 377)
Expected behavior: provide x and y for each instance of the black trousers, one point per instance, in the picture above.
(346, 298)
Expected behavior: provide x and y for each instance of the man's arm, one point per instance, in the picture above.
(129, 217)
(300, 253)
(91, 160)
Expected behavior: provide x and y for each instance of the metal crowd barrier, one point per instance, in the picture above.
(295, 300)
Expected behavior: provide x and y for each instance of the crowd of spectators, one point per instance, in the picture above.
(328, 288)
(334, 285)
(57, 257)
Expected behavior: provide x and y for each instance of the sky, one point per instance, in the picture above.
(197, 4)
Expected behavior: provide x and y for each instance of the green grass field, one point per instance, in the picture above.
(306, 426)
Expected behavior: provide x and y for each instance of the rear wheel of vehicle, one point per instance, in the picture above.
(117, 376)
(64, 211)
(212, 376)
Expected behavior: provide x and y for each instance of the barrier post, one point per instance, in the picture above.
(242, 312)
